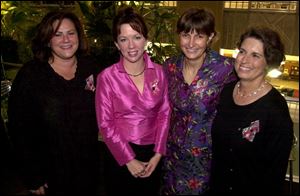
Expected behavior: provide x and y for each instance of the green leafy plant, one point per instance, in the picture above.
(19, 20)
(98, 18)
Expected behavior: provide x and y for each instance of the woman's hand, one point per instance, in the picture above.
(40, 190)
(136, 167)
(150, 167)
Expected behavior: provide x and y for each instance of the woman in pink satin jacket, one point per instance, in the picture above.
(133, 111)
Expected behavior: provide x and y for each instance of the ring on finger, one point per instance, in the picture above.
(143, 172)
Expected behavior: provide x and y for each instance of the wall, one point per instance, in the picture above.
(287, 25)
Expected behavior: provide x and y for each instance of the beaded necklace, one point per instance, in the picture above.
(263, 84)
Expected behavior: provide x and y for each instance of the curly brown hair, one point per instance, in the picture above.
(272, 44)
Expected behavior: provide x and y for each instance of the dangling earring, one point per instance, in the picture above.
(210, 38)
(208, 41)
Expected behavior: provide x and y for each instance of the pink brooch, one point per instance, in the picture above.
(154, 86)
(90, 83)
(249, 132)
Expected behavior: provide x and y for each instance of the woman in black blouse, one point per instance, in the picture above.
(52, 120)
(252, 132)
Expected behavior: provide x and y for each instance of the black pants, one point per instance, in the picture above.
(119, 180)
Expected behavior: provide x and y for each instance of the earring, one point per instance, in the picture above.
(209, 40)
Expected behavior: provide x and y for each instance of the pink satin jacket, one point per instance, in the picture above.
(125, 115)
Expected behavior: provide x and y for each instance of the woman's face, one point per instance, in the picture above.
(64, 42)
(193, 45)
(250, 62)
(131, 44)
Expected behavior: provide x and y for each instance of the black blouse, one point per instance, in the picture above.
(251, 145)
(53, 127)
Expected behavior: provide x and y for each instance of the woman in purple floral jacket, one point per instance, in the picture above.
(196, 78)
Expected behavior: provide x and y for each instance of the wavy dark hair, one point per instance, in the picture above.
(272, 44)
(45, 31)
(127, 15)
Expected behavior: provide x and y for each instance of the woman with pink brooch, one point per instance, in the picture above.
(252, 133)
(133, 111)
(51, 111)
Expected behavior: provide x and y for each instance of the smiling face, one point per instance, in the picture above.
(192, 44)
(250, 62)
(131, 44)
(64, 42)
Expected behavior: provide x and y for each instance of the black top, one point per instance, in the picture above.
(53, 128)
(251, 145)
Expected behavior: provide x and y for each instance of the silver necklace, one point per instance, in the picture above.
(136, 75)
(263, 84)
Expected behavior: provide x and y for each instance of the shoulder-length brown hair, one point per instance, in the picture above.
(45, 31)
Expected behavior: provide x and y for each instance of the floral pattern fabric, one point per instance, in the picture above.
(186, 166)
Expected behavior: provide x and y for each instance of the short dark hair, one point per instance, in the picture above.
(126, 15)
(199, 20)
(272, 44)
(45, 32)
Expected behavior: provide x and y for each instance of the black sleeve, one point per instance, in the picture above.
(278, 144)
(25, 131)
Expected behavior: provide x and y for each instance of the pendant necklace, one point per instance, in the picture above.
(136, 75)
(263, 84)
